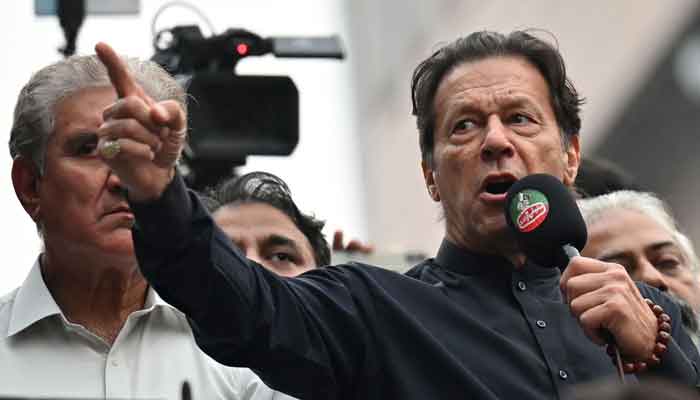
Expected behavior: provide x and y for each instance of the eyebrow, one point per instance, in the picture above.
(622, 254)
(279, 240)
(79, 139)
(662, 245)
(514, 100)
(613, 256)
(506, 101)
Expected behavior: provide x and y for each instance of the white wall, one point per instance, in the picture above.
(323, 173)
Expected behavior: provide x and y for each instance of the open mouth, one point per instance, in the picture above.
(499, 186)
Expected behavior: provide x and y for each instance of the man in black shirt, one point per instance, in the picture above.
(478, 320)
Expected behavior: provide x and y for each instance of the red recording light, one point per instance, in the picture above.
(242, 49)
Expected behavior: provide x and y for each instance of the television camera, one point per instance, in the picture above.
(233, 116)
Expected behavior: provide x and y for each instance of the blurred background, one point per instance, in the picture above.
(357, 161)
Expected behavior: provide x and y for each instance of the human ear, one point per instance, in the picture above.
(430, 184)
(25, 179)
(572, 159)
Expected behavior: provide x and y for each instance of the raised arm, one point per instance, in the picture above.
(303, 336)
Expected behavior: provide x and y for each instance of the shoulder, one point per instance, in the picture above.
(356, 272)
(171, 318)
(424, 271)
(654, 294)
(350, 270)
(353, 279)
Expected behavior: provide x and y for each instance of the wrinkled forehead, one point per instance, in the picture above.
(81, 110)
(500, 80)
(257, 221)
(622, 229)
(85, 96)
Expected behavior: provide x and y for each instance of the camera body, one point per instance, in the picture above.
(232, 116)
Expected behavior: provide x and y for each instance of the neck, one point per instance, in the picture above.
(96, 292)
(502, 245)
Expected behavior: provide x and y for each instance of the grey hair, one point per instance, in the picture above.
(688, 251)
(34, 113)
(648, 204)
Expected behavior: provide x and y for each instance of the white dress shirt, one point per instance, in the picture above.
(43, 354)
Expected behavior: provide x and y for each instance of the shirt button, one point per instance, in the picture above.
(563, 375)
(522, 286)
(541, 323)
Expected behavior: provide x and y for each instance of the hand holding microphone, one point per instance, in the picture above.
(551, 231)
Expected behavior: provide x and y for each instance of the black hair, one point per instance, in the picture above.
(485, 44)
(266, 188)
(597, 177)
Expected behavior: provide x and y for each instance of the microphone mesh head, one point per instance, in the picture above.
(543, 214)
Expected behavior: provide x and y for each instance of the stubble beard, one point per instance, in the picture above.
(483, 237)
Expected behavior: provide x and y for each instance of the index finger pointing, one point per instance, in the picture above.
(118, 72)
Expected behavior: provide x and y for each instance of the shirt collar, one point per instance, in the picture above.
(466, 262)
(153, 300)
(34, 302)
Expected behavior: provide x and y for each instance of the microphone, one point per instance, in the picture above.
(547, 223)
(549, 228)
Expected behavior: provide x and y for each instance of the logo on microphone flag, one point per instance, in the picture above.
(529, 210)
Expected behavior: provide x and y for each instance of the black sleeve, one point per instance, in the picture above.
(303, 336)
(680, 361)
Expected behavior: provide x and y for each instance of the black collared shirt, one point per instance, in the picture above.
(462, 325)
